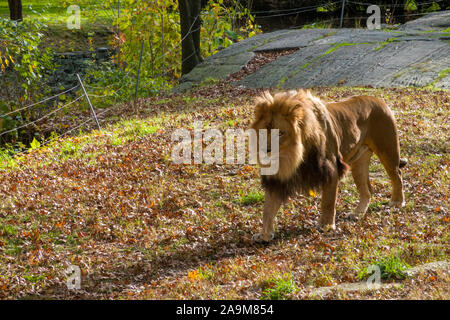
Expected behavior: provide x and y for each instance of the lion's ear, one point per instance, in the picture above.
(266, 96)
(262, 103)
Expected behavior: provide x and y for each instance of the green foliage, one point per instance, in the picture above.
(252, 198)
(317, 25)
(391, 267)
(279, 288)
(157, 24)
(20, 52)
(224, 25)
(23, 67)
(410, 5)
(107, 84)
(432, 8)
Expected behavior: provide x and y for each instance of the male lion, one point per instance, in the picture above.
(319, 142)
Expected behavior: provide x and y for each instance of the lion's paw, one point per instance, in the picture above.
(355, 215)
(398, 204)
(260, 237)
(326, 228)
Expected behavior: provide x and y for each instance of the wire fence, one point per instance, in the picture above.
(38, 103)
(131, 71)
(41, 118)
(394, 5)
(297, 11)
(54, 110)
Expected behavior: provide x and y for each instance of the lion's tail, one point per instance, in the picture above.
(403, 162)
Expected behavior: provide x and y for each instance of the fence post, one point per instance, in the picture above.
(151, 57)
(89, 101)
(162, 42)
(118, 31)
(342, 13)
(137, 77)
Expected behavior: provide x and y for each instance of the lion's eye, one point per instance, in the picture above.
(281, 133)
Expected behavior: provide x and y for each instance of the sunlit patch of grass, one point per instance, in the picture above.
(34, 278)
(230, 123)
(279, 288)
(252, 198)
(69, 149)
(391, 268)
(377, 204)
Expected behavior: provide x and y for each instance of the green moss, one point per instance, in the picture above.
(340, 45)
(384, 44)
(283, 80)
(441, 75)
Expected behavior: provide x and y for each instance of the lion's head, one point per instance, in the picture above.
(295, 115)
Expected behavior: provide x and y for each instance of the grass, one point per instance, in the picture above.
(93, 33)
(390, 268)
(252, 198)
(53, 12)
(141, 227)
(279, 288)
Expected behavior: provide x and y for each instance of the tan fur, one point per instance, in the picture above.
(319, 142)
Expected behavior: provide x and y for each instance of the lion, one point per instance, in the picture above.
(319, 143)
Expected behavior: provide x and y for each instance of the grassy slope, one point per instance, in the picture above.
(139, 226)
(54, 11)
(93, 33)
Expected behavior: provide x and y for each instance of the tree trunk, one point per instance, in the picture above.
(190, 21)
(15, 10)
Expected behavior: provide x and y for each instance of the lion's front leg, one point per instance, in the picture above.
(271, 205)
(328, 205)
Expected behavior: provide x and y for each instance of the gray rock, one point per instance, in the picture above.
(352, 287)
(439, 266)
(182, 87)
(415, 55)
(435, 20)
(295, 39)
(355, 36)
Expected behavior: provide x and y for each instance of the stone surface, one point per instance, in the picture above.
(352, 287)
(438, 266)
(417, 54)
(70, 63)
(432, 21)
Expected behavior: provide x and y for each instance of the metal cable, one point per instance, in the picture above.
(34, 104)
(392, 5)
(43, 117)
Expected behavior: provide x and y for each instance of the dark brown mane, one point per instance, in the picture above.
(310, 175)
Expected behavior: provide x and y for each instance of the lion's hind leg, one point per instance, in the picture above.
(360, 173)
(394, 173)
(390, 159)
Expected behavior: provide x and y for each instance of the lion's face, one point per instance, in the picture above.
(284, 112)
